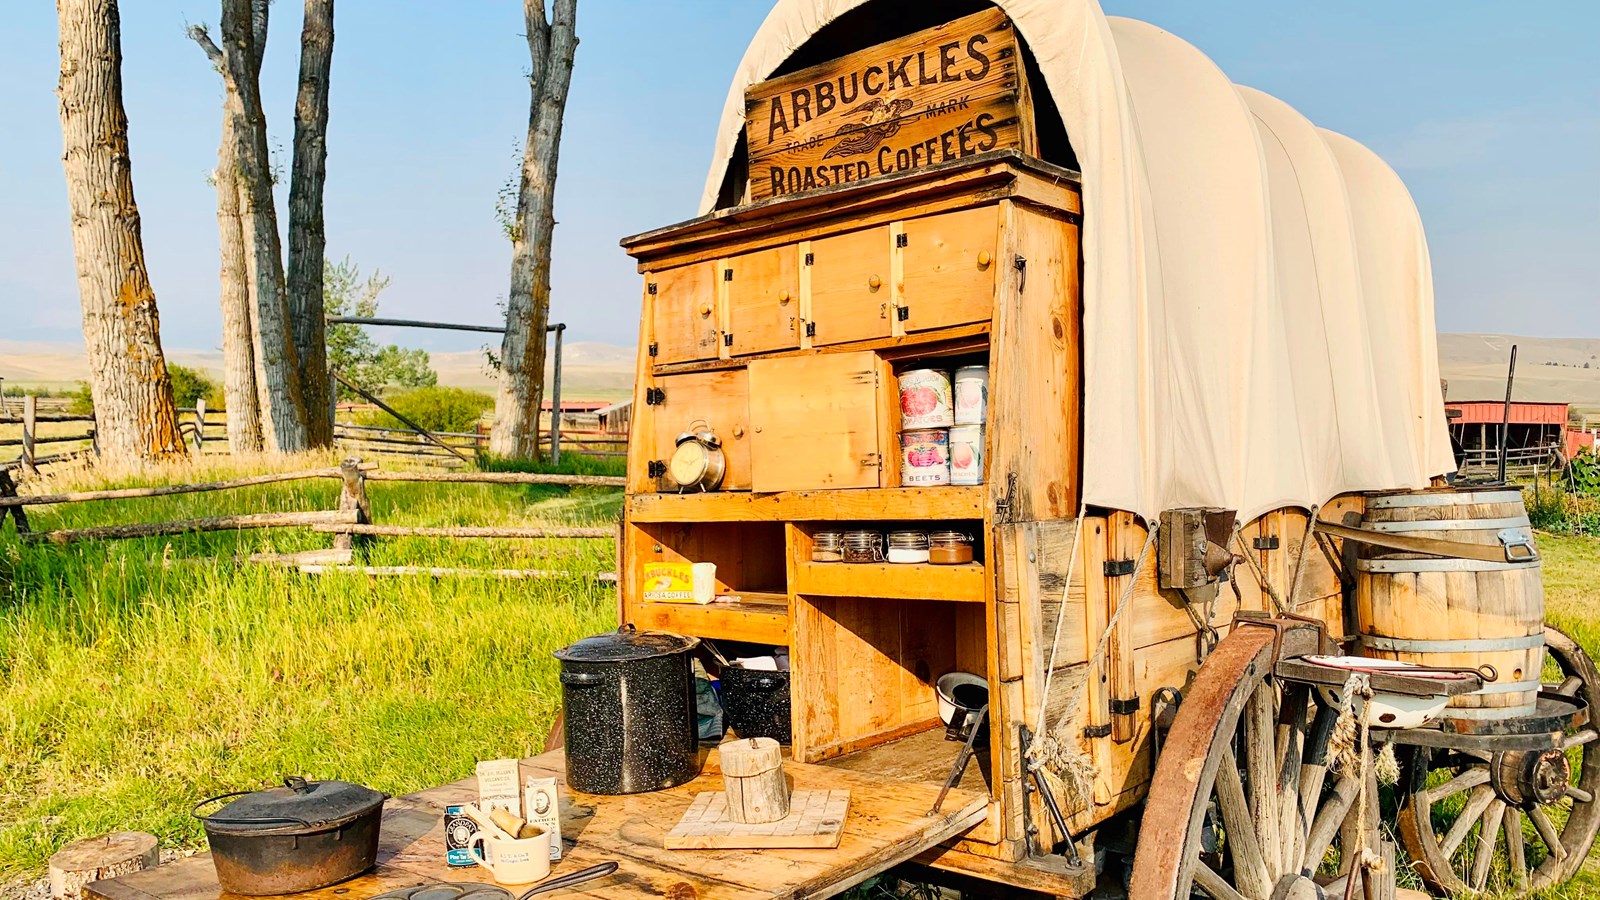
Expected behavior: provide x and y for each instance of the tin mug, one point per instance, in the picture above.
(513, 860)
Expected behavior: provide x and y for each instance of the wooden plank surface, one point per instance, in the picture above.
(815, 820)
(962, 583)
(815, 422)
(887, 824)
(884, 505)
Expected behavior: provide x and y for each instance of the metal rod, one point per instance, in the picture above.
(391, 411)
(418, 323)
(555, 402)
(962, 758)
(1505, 419)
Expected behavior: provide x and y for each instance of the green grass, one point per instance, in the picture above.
(137, 677)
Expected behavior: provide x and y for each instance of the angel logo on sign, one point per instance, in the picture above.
(881, 122)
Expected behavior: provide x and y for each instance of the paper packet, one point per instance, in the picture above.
(541, 806)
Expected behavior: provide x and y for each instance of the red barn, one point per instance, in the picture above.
(1537, 434)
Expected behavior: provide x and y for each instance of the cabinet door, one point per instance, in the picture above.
(814, 422)
(763, 301)
(850, 295)
(949, 268)
(685, 313)
(691, 401)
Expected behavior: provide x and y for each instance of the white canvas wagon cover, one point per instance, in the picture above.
(1258, 301)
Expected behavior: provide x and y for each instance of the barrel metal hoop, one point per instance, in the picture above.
(1451, 525)
(1400, 501)
(1490, 712)
(1405, 566)
(1510, 687)
(1476, 645)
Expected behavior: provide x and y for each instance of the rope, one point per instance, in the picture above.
(1300, 558)
(1349, 745)
(1261, 577)
(1061, 616)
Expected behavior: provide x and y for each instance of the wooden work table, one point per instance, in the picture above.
(888, 824)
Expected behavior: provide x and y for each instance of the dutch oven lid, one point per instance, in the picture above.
(295, 807)
(625, 644)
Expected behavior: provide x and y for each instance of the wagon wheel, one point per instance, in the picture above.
(1243, 805)
(1517, 821)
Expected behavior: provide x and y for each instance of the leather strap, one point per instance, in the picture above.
(1431, 546)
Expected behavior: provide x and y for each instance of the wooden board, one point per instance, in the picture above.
(815, 422)
(800, 506)
(763, 301)
(685, 312)
(850, 297)
(948, 268)
(816, 819)
(934, 96)
(695, 400)
(887, 824)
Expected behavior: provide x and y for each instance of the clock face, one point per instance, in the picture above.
(689, 463)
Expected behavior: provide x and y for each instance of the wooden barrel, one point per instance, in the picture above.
(1457, 612)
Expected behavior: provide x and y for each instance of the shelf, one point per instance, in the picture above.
(863, 505)
(762, 618)
(896, 581)
(923, 757)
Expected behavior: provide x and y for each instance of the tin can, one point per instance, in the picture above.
(972, 395)
(925, 457)
(926, 400)
(966, 454)
(459, 830)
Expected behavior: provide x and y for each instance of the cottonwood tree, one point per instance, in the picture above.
(239, 388)
(552, 45)
(277, 366)
(307, 240)
(134, 414)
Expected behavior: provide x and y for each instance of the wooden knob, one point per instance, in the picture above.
(705, 310)
(783, 299)
(874, 282)
(984, 259)
(738, 431)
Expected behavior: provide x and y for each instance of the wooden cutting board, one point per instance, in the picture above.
(816, 820)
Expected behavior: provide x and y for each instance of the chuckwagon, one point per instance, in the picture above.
(1213, 449)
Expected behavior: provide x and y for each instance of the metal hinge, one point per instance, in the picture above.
(656, 468)
(654, 396)
(727, 274)
(1097, 731)
(1004, 508)
(1269, 542)
(727, 339)
(1124, 707)
(902, 239)
(811, 329)
(1020, 263)
(654, 349)
(1073, 218)
(811, 259)
(651, 288)
(1117, 568)
(903, 313)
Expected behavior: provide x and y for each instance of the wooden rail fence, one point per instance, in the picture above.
(350, 524)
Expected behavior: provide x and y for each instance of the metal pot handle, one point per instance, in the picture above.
(581, 679)
(274, 820)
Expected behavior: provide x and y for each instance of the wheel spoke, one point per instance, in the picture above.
(1548, 833)
(1259, 755)
(1328, 820)
(1488, 836)
(1248, 865)
(1291, 816)
(1515, 854)
(1481, 797)
(1570, 687)
(1214, 884)
(1579, 794)
(1579, 739)
(1471, 778)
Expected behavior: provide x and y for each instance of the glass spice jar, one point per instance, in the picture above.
(949, 548)
(827, 547)
(863, 547)
(908, 547)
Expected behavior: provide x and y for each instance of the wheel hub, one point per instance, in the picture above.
(1531, 777)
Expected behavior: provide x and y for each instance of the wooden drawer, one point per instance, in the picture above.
(949, 265)
(814, 421)
(851, 299)
(763, 297)
(684, 312)
(720, 400)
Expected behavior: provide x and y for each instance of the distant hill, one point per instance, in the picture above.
(1473, 364)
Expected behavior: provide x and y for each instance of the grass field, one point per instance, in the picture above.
(138, 677)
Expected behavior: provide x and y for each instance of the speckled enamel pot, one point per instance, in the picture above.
(629, 702)
(756, 702)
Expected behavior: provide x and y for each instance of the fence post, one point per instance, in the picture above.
(555, 404)
(200, 426)
(353, 495)
(30, 413)
(8, 488)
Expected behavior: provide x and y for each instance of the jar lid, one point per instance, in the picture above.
(626, 643)
(862, 537)
(949, 536)
(902, 538)
(296, 806)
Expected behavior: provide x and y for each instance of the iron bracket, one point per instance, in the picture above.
(654, 396)
(1268, 542)
(1124, 707)
(1118, 568)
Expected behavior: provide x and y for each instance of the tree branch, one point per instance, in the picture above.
(200, 35)
(538, 34)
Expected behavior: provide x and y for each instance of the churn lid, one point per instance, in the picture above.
(295, 807)
(627, 643)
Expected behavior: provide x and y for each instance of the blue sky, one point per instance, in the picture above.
(1490, 111)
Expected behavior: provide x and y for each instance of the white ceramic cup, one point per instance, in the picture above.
(513, 861)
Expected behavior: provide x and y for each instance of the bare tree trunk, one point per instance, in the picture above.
(238, 332)
(551, 49)
(134, 415)
(307, 244)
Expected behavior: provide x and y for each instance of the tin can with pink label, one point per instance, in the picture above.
(925, 457)
(926, 400)
(966, 454)
(972, 395)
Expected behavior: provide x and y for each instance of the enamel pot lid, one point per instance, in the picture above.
(627, 644)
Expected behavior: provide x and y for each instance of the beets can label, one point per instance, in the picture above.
(926, 400)
(925, 457)
(966, 454)
(972, 395)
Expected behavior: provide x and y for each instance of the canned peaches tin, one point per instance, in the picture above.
(966, 454)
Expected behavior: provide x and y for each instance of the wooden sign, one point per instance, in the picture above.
(941, 94)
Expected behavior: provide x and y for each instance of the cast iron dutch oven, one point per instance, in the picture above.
(299, 837)
(756, 702)
(629, 702)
